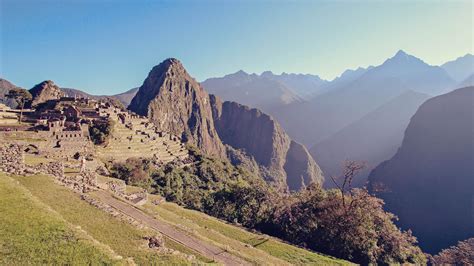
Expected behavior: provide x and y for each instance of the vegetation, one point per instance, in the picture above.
(21, 97)
(461, 254)
(256, 248)
(33, 234)
(347, 223)
(100, 131)
(125, 240)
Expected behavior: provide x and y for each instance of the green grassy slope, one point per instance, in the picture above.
(30, 233)
(95, 236)
(126, 241)
(256, 248)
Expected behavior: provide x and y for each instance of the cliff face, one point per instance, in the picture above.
(284, 161)
(429, 183)
(45, 91)
(176, 103)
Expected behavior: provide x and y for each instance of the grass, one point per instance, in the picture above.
(257, 248)
(30, 233)
(35, 159)
(124, 239)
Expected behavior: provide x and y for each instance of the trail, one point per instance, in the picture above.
(206, 249)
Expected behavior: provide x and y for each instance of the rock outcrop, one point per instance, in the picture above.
(178, 104)
(44, 92)
(429, 182)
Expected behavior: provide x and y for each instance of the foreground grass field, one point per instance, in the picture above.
(49, 224)
(123, 240)
(30, 233)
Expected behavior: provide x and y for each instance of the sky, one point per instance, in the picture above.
(107, 47)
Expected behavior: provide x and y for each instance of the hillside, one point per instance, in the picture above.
(5, 86)
(373, 139)
(176, 103)
(429, 182)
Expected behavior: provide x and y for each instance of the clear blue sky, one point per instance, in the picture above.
(106, 46)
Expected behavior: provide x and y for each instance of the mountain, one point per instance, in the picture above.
(70, 92)
(252, 90)
(319, 118)
(261, 136)
(373, 138)
(176, 103)
(6, 86)
(429, 182)
(125, 98)
(304, 85)
(468, 82)
(461, 68)
(45, 91)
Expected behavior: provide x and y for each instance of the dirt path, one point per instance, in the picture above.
(206, 249)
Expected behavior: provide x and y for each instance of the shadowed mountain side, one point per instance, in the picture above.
(313, 121)
(429, 182)
(373, 138)
(259, 135)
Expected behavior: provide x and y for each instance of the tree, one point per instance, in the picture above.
(21, 97)
(462, 254)
(350, 169)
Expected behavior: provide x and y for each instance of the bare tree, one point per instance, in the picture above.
(349, 170)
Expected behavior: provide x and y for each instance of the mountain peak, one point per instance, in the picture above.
(401, 53)
(402, 58)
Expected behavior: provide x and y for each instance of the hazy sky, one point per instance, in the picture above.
(107, 46)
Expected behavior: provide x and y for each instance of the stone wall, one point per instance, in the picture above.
(12, 159)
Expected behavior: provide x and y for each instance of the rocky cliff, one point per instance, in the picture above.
(284, 161)
(176, 103)
(429, 182)
(45, 91)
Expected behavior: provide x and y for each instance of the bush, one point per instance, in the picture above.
(100, 131)
(133, 171)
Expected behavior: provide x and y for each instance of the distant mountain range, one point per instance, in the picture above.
(359, 115)
(461, 68)
(125, 98)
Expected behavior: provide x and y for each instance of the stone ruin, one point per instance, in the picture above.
(119, 189)
(12, 159)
